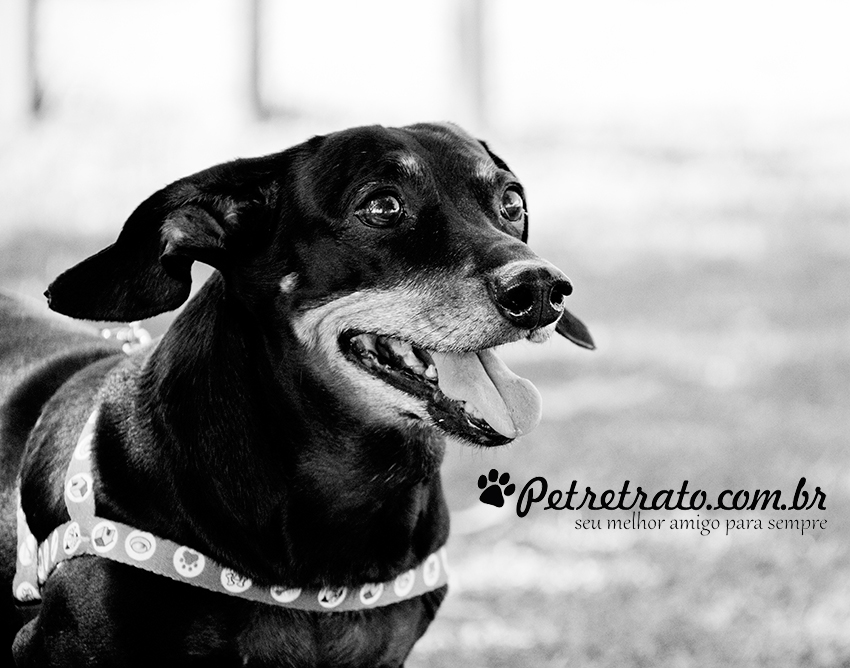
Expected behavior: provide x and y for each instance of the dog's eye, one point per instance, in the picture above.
(512, 205)
(381, 211)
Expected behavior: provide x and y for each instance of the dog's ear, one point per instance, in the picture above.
(147, 270)
(501, 164)
(575, 330)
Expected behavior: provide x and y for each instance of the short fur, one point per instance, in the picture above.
(243, 432)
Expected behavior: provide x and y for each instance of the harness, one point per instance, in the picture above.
(86, 533)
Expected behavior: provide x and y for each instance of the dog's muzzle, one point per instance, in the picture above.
(530, 294)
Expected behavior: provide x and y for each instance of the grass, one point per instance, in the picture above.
(712, 268)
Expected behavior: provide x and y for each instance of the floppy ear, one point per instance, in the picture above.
(501, 164)
(575, 330)
(147, 270)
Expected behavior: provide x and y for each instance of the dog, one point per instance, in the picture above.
(290, 424)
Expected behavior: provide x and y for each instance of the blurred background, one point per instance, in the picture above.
(688, 166)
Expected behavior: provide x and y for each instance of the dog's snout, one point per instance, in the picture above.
(530, 295)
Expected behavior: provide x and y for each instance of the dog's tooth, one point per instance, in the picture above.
(423, 355)
(413, 362)
(368, 341)
(383, 347)
(404, 351)
(431, 372)
(400, 348)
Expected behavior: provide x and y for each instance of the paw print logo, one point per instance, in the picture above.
(188, 563)
(493, 494)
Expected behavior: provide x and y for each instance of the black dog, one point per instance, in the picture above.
(290, 424)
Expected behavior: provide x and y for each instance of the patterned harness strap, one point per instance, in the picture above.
(86, 533)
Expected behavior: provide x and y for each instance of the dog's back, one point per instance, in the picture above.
(39, 351)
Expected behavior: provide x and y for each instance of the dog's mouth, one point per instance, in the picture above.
(473, 396)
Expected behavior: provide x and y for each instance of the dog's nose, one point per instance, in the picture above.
(530, 294)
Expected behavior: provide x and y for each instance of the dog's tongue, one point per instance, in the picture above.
(509, 404)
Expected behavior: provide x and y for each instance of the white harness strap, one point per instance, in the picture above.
(88, 534)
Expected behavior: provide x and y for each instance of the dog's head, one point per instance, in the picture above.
(395, 257)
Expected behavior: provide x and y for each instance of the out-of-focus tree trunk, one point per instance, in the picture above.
(20, 88)
(472, 59)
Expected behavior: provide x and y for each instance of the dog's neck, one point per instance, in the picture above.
(271, 479)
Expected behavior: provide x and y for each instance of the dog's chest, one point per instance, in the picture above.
(305, 640)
